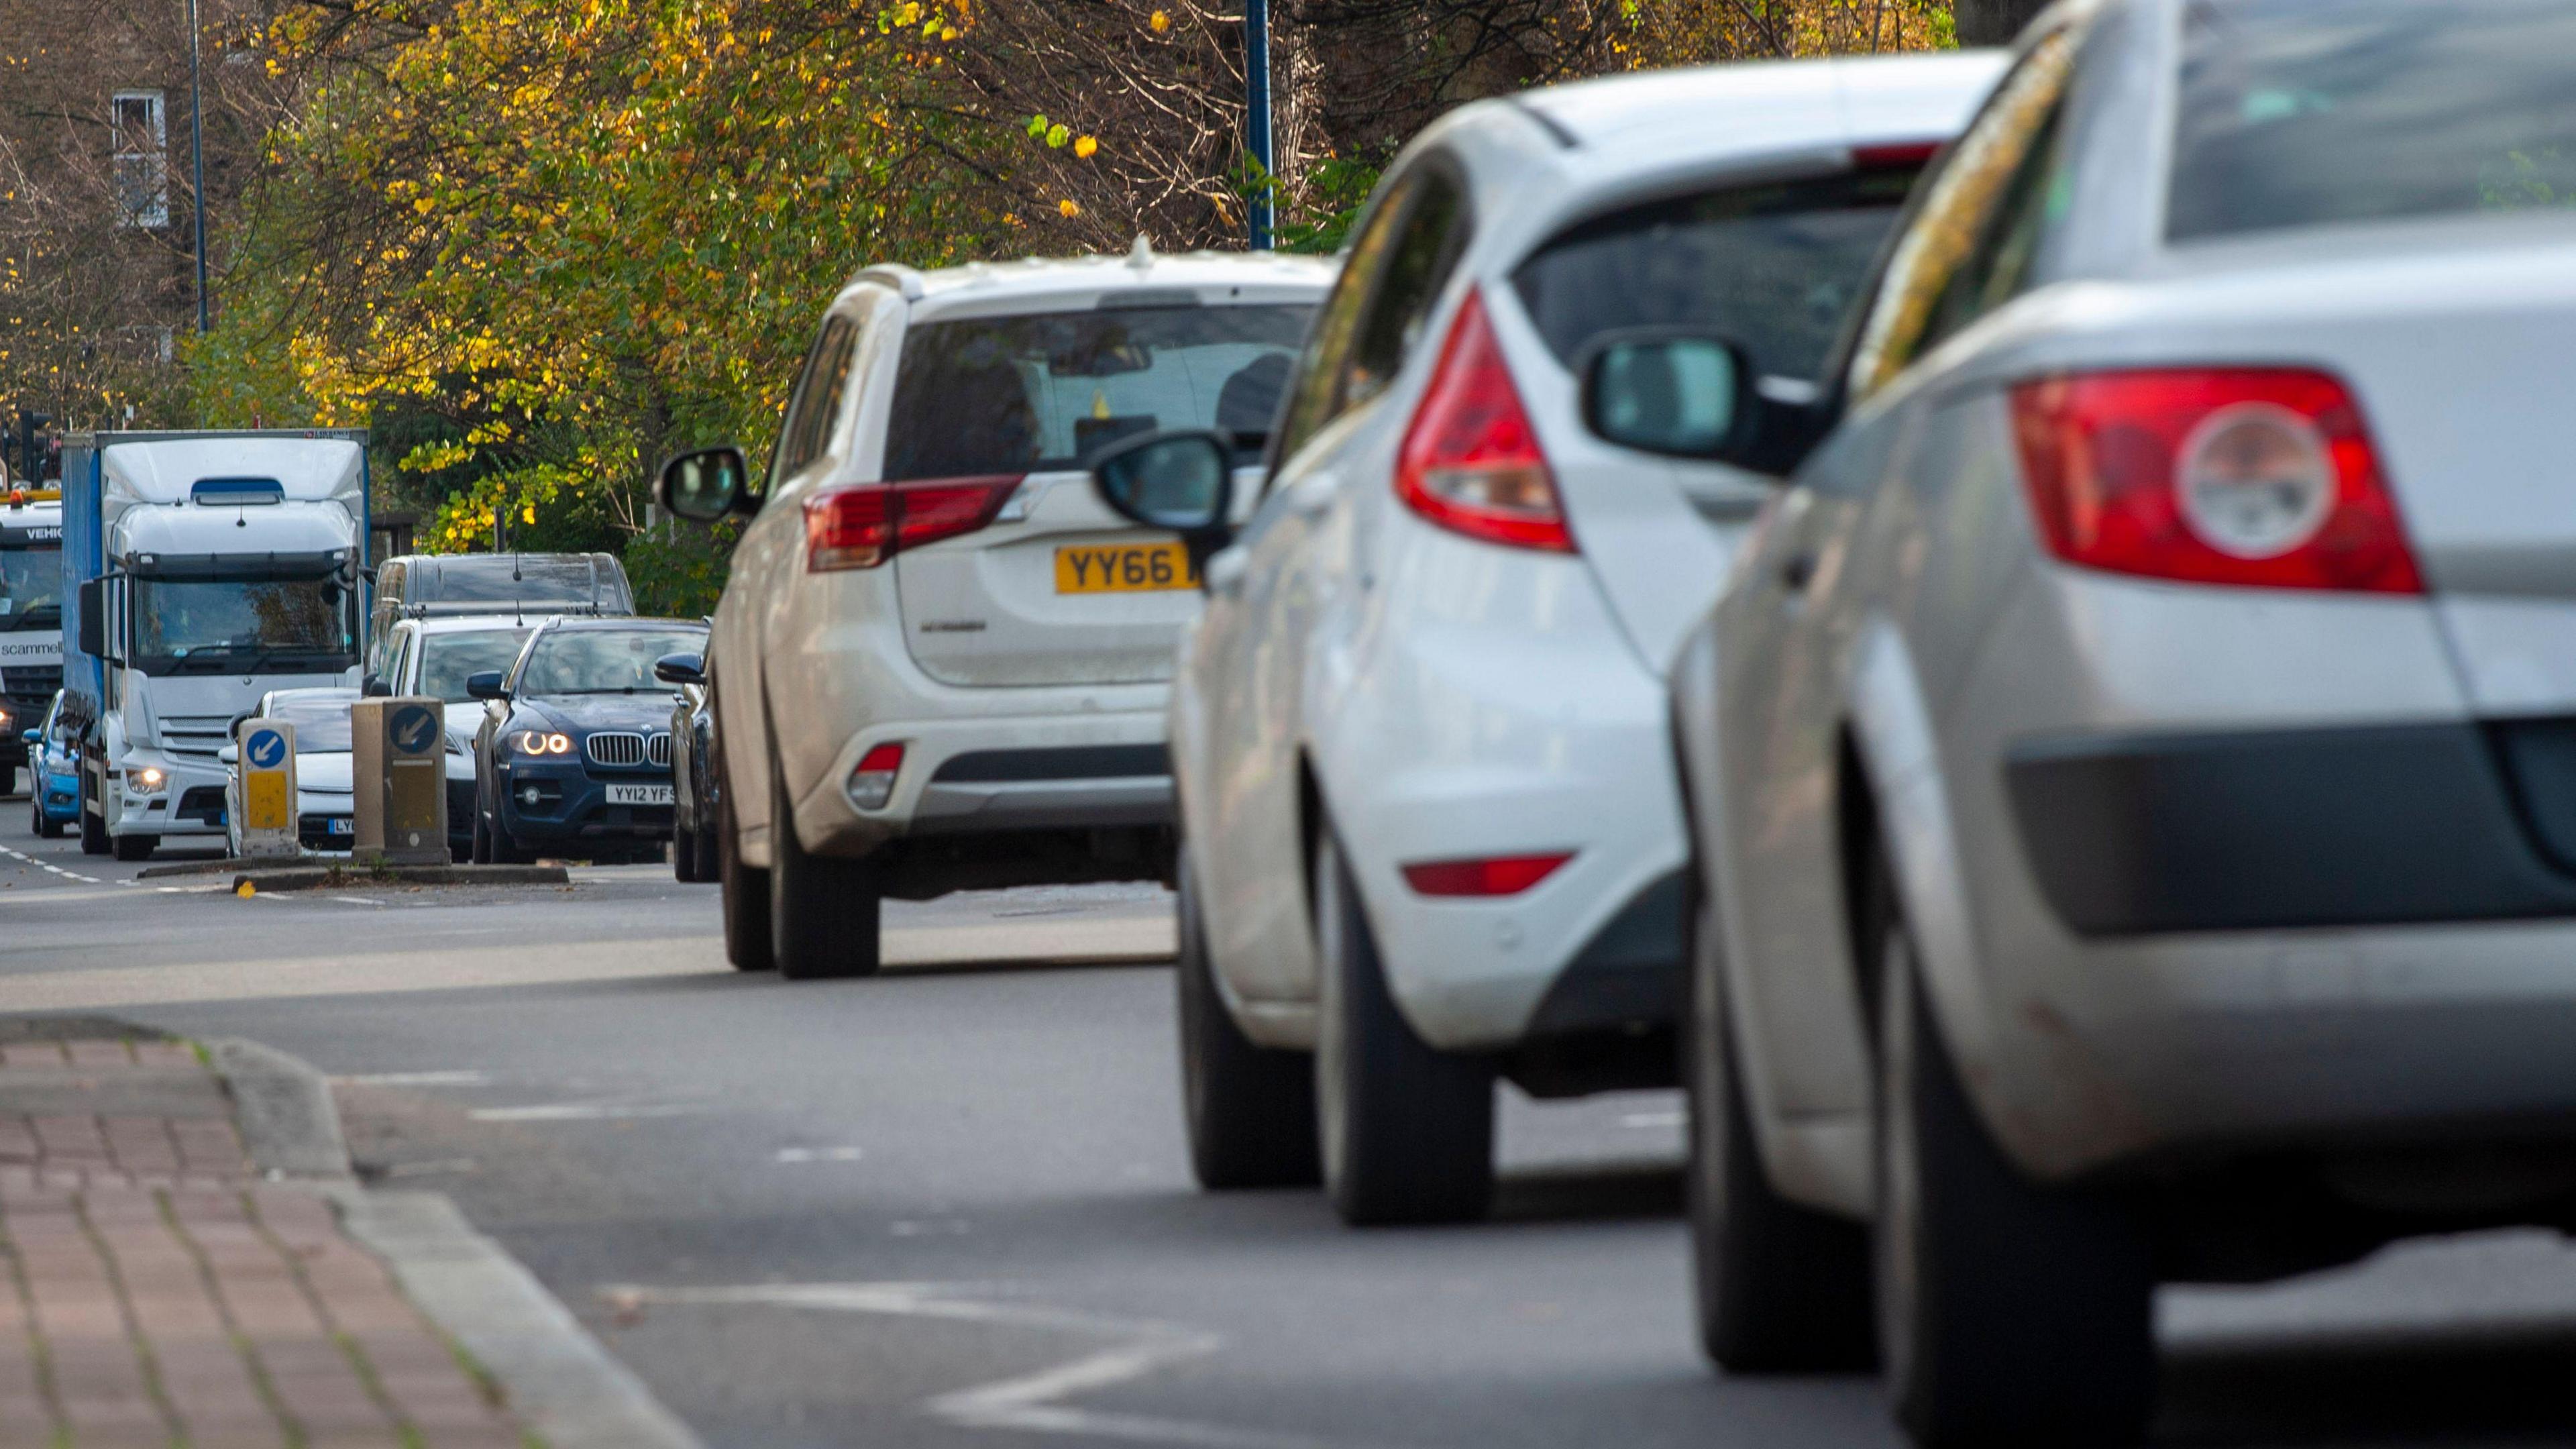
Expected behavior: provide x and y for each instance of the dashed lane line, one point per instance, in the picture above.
(47, 866)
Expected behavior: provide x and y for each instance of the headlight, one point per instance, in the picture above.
(530, 742)
(145, 781)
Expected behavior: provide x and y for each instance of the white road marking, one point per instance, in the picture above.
(1027, 1402)
(358, 900)
(455, 1078)
(818, 1154)
(577, 1112)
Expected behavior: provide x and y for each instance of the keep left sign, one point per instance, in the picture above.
(265, 793)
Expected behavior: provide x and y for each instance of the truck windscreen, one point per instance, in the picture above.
(31, 588)
(220, 626)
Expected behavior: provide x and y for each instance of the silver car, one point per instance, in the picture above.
(2133, 765)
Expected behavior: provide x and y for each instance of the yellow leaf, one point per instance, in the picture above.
(529, 513)
(1084, 147)
(1161, 22)
(1068, 208)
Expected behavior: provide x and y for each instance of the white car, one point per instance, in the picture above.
(433, 656)
(325, 805)
(1431, 832)
(940, 663)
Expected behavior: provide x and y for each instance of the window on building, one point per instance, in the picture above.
(140, 136)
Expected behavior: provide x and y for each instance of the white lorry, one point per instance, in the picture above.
(31, 618)
(201, 570)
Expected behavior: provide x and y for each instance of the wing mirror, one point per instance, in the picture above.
(1180, 481)
(1682, 393)
(704, 484)
(374, 686)
(680, 669)
(486, 685)
(229, 754)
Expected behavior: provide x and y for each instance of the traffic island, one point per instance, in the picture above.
(333, 877)
(186, 1259)
(159, 1289)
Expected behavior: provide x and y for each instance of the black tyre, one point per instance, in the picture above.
(1781, 1287)
(1250, 1109)
(135, 847)
(709, 863)
(684, 856)
(9, 780)
(822, 909)
(93, 827)
(1407, 1132)
(480, 851)
(746, 895)
(2010, 1313)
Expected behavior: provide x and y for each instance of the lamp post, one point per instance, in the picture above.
(1256, 85)
(197, 154)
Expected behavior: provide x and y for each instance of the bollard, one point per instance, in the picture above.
(399, 776)
(265, 756)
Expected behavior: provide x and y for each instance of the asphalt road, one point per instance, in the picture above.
(949, 1206)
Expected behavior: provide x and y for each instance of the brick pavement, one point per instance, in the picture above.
(155, 1292)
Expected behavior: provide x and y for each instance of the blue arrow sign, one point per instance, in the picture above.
(415, 729)
(267, 749)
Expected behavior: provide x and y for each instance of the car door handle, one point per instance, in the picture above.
(1798, 571)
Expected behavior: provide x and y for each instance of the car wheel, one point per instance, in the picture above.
(36, 817)
(135, 847)
(2009, 1312)
(1250, 1109)
(1407, 1131)
(9, 780)
(479, 850)
(1781, 1288)
(822, 909)
(745, 894)
(93, 827)
(684, 856)
(705, 842)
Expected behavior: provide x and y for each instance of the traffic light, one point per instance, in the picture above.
(32, 460)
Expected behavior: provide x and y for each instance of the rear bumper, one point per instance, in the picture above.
(995, 776)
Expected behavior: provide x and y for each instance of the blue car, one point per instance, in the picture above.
(574, 756)
(53, 779)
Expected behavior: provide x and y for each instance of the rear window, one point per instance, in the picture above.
(2295, 114)
(1774, 266)
(523, 578)
(1025, 394)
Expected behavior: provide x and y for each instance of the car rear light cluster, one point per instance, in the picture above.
(2255, 477)
(1471, 461)
(861, 525)
(1499, 875)
(872, 779)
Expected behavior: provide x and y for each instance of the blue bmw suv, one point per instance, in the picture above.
(574, 756)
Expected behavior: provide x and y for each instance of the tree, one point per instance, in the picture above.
(1995, 22)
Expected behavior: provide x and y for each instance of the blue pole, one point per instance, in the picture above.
(1256, 84)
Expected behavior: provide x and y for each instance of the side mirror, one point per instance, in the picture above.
(681, 669)
(1181, 481)
(30, 736)
(374, 686)
(229, 754)
(705, 484)
(93, 620)
(1662, 390)
(486, 685)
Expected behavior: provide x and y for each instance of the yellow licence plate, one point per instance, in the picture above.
(1123, 568)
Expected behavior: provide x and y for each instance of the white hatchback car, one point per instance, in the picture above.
(940, 663)
(325, 805)
(1431, 825)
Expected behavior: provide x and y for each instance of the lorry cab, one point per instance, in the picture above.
(205, 570)
(31, 617)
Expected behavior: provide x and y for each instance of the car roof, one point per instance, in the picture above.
(644, 622)
(1065, 283)
(472, 623)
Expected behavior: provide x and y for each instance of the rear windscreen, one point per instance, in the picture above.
(2294, 113)
(1025, 394)
(526, 579)
(1774, 267)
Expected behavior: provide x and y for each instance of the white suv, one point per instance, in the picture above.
(939, 655)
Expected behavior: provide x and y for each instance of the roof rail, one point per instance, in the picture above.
(906, 280)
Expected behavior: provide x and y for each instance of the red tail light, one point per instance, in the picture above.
(861, 525)
(1502, 875)
(872, 779)
(2254, 477)
(1471, 462)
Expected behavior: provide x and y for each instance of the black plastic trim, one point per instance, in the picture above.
(2377, 825)
(1628, 976)
(1065, 762)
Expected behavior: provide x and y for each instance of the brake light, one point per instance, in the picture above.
(1895, 156)
(861, 525)
(872, 781)
(2254, 477)
(1502, 875)
(1471, 461)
